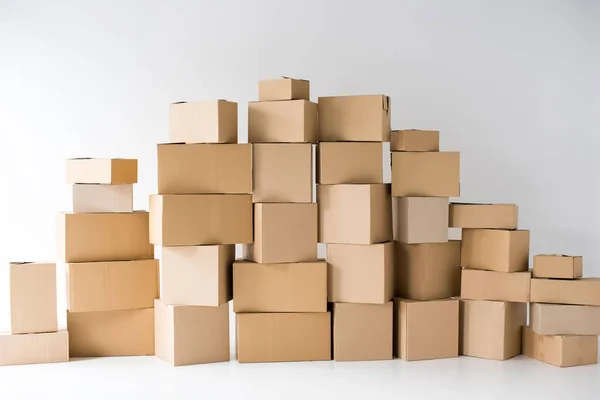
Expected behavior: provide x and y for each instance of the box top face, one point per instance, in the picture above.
(287, 78)
(556, 255)
(21, 263)
(415, 130)
(202, 102)
(456, 203)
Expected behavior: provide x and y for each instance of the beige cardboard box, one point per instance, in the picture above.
(34, 348)
(562, 350)
(349, 162)
(187, 335)
(283, 232)
(109, 171)
(420, 219)
(415, 140)
(33, 306)
(197, 275)
(425, 330)
(202, 219)
(91, 198)
(213, 121)
(204, 168)
(354, 118)
(477, 284)
(585, 291)
(562, 319)
(292, 121)
(283, 88)
(491, 216)
(282, 173)
(557, 266)
(495, 250)
(491, 329)
(114, 285)
(435, 174)
(427, 271)
(289, 287)
(360, 273)
(271, 337)
(362, 332)
(354, 214)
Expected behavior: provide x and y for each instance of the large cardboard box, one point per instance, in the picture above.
(114, 285)
(557, 266)
(415, 140)
(33, 306)
(360, 273)
(491, 329)
(283, 88)
(562, 319)
(197, 275)
(435, 174)
(271, 337)
(103, 237)
(362, 332)
(477, 284)
(92, 198)
(354, 118)
(204, 168)
(34, 348)
(213, 121)
(187, 335)
(420, 219)
(355, 214)
(585, 291)
(560, 350)
(289, 287)
(491, 216)
(201, 219)
(110, 171)
(349, 162)
(495, 250)
(292, 121)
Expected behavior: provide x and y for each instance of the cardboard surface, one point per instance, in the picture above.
(292, 121)
(585, 291)
(34, 348)
(434, 174)
(491, 216)
(415, 140)
(213, 121)
(102, 198)
(491, 285)
(495, 250)
(283, 88)
(420, 219)
(558, 266)
(561, 351)
(102, 170)
(561, 319)
(349, 162)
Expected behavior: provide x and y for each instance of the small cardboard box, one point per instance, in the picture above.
(430, 174)
(200, 219)
(204, 168)
(283, 88)
(109, 171)
(562, 319)
(187, 335)
(283, 232)
(477, 284)
(213, 121)
(349, 162)
(292, 121)
(415, 140)
(420, 219)
(491, 329)
(355, 214)
(495, 250)
(354, 118)
(272, 337)
(557, 266)
(427, 271)
(197, 275)
(490, 216)
(585, 291)
(425, 330)
(34, 348)
(362, 332)
(102, 198)
(33, 307)
(561, 350)
(114, 285)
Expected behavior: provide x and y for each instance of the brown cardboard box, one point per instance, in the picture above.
(562, 350)
(283, 232)
(491, 216)
(354, 214)
(102, 198)
(187, 335)
(420, 219)
(283, 88)
(292, 121)
(34, 348)
(427, 271)
(585, 291)
(110, 171)
(360, 273)
(271, 337)
(491, 329)
(349, 162)
(213, 121)
(197, 275)
(354, 118)
(201, 219)
(477, 284)
(282, 173)
(362, 332)
(557, 266)
(561, 319)
(425, 330)
(435, 174)
(204, 168)
(111, 333)
(290, 287)
(495, 250)
(415, 140)
(33, 306)
(115, 285)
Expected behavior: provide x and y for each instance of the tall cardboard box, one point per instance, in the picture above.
(293, 121)
(490, 216)
(563, 319)
(560, 350)
(349, 162)
(429, 174)
(585, 291)
(415, 140)
(109, 171)
(34, 348)
(213, 121)
(495, 250)
(420, 219)
(557, 266)
(94, 198)
(491, 285)
(283, 88)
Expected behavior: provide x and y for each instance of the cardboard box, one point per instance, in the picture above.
(426, 330)
(420, 219)
(362, 332)
(349, 162)
(491, 216)
(283, 88)
(102, 198)
(427, 271)
(282, 173)
(477, 284)
(272, 337)
(562, 351)
(495, 250)
(213, 121)
(108, 286)
(557, 266)
(200, 219)
(283, 232)
(187, 335)
(111, 333)
(491, 329)
(204, 168)
(585, 291)
(34, 348)
(33, 306)
(561, 319)
(103, 237)
(415, 140)
(354, 118)
(432, 174)
(292, 121)
(355, 214)
(360, 273)
(110, 171)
